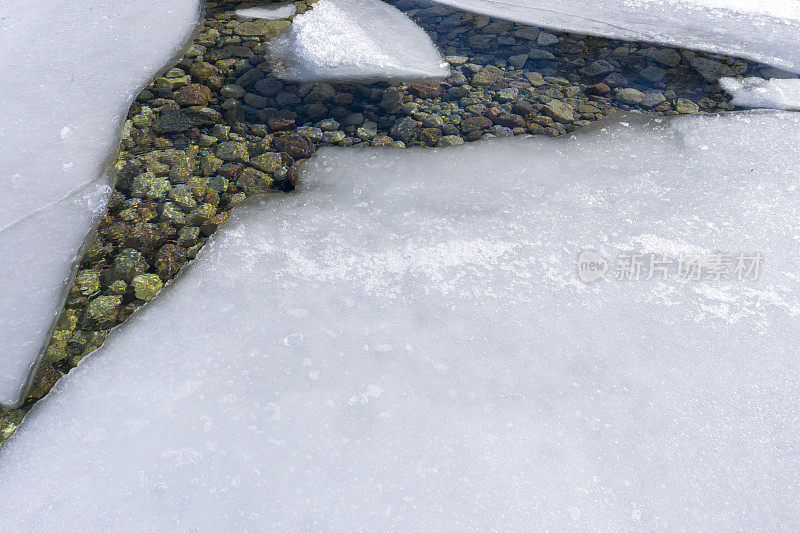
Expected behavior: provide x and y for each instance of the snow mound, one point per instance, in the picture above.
(271, 12)
(758, 92)
(355, 40)
(71, 70)
(405, 343)
(772, 34)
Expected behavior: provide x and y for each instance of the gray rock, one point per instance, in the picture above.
(320, 93)
(653, 98)
(233, 151)
(508, 94)
(146, 286)
(232, 91)
(598, 68)
(433, 121)
(615, 79)
(128, 264)
(450, 140)
(456, 61)
(391, 100)
(406, 129)
(333, 137)
(538, 54)
(518, 60)
(653, 73)
(711, 70)
(221, 131)
(256, 100)
(173, 214)
(456, 78)
(209, 163)
(87, 282)
(559, 111)
(103, 310)
(547, 39)
(328, 124)
(629, 96)
(218, 183)
(149, 186)
(286, 99)
(353, 119)
(529, 33)
(488, 75)
(686, 107)
(267, 162)
(183, 197)
(665, 56)
(187, 237)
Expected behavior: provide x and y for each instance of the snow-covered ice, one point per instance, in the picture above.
(758, 92)
(356, 40)
(767, 31)
(70, 70)
(404, 343)
(274, 11)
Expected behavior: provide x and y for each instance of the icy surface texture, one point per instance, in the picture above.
(277, 11)
(356, 40)
(71, 69)
(761, 30)
(405, 343)
(758, 92)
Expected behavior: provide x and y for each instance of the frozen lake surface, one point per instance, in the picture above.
(399, 345)
(72, 70)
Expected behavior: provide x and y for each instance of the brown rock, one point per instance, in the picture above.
(523, 108)
(216, 221)
(343, 99)
(383, 141)
(430, 136)
(599, 89)
(279, 119)
(509, 120)
(147, 238)
(231, 170)
(193, 94)
(425, 91)
(488, 75)
(169, 260)
(471, 124)
(295, 145)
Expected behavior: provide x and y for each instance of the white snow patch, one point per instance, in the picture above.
(356, 40)
(71, 69)
(404, 344)
(758, 92)
(271, 12)
(767, 31)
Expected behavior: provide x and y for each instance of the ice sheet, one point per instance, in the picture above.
(71, 69)
(767, 31)
(405, 343)
(276, 11)
(758, 92)
(356, 40)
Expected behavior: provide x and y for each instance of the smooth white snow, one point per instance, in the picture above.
(275, 11)
(758, 92)
(355, 40)
(70, 70)
(767, 31)
(404, 343)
